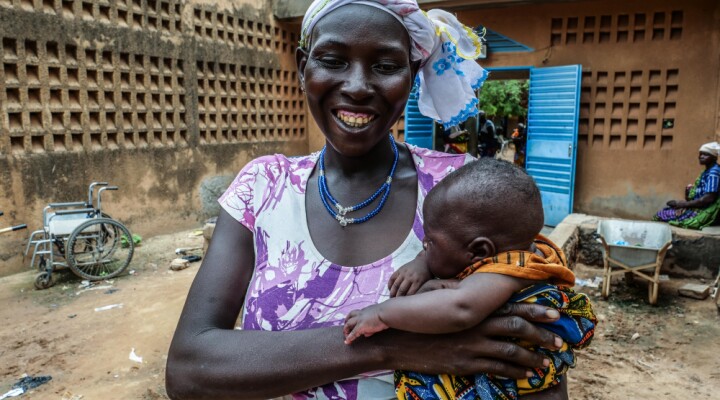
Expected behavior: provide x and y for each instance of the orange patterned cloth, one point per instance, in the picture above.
(550, 267)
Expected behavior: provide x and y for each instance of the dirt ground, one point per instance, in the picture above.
(57, 332)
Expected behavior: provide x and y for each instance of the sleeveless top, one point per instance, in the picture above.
(293, 286)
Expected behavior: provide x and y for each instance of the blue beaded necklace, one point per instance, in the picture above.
(337, 211)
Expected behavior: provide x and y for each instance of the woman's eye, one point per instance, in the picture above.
(331, 62)
(387, 68)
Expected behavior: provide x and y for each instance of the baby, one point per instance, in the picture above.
(483, 247)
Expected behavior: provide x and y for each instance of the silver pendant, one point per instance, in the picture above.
(344, 221)
(342, 210)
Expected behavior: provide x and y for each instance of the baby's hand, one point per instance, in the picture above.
(363, 322)
(409, 278)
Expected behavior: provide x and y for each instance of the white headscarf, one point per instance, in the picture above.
(447, 49)
(711, 148)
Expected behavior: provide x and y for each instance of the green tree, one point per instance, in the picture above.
(504, 98)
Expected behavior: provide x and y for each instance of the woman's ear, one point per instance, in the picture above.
(301, 57)
(480, 248)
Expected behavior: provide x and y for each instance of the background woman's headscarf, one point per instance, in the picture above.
(711, 148)
(446, 48)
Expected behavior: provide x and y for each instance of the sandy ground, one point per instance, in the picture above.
(57, 332)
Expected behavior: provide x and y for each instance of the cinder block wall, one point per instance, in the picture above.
(150, 95)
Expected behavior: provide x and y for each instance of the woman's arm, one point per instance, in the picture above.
(702, 202)
(209, 359)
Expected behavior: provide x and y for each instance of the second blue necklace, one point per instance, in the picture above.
(337, 211)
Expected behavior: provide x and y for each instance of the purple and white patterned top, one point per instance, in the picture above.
(293, 286)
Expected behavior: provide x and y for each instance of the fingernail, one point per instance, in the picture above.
(529, 374)
(552, 313)
(558, 342)
(546, 362)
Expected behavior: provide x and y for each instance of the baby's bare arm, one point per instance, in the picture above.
(452, 309)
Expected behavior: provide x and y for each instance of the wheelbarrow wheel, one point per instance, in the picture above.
(43, 281)
(653, 289)
(93, 252)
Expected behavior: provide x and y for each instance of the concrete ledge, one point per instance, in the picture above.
(694, 253)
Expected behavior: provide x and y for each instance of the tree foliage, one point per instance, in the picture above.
(504, 98)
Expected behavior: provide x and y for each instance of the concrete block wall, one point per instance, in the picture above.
(151, 95)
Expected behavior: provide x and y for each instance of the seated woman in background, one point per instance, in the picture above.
(702, 203)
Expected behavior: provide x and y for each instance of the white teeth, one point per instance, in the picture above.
(354, 122)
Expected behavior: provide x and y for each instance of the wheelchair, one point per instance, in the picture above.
(81, 237)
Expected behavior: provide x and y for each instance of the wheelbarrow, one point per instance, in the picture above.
(636, 249)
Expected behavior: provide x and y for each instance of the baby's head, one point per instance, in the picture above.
(484, 208)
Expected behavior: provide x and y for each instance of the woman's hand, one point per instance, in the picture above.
(672, 204)
(482, 349)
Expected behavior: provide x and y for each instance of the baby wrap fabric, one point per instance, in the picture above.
(448, 75)
(576, 327)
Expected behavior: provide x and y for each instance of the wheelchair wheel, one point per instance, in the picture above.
(93, 251)
(43, 281)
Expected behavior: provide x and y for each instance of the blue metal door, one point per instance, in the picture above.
(418, 128)
(552, 137)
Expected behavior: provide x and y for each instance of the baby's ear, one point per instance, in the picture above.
(480, 248)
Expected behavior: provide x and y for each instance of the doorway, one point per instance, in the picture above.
(551, 138)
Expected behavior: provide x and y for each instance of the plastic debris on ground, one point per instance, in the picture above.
(186, 250)
(135, 357)
(99, 287)
(589, 283)
(25, 384)
(192, 258)
(137, 240)
(12, 393)
(621, 243)
(110, 307)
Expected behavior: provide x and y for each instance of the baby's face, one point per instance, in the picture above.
(446, 256)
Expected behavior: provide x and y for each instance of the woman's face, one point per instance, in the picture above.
(357, 76)
(706, 158)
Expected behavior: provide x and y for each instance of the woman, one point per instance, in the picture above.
(296, 261)
(702, 203)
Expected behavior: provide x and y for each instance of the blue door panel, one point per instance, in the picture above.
(418, 128)
(554, 205)
(552, 137)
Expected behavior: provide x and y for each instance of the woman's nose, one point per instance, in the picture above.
(356, 84)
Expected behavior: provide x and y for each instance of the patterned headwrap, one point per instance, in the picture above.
(446, 48)
(711, 148)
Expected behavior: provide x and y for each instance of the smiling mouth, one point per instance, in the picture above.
(354, 120)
